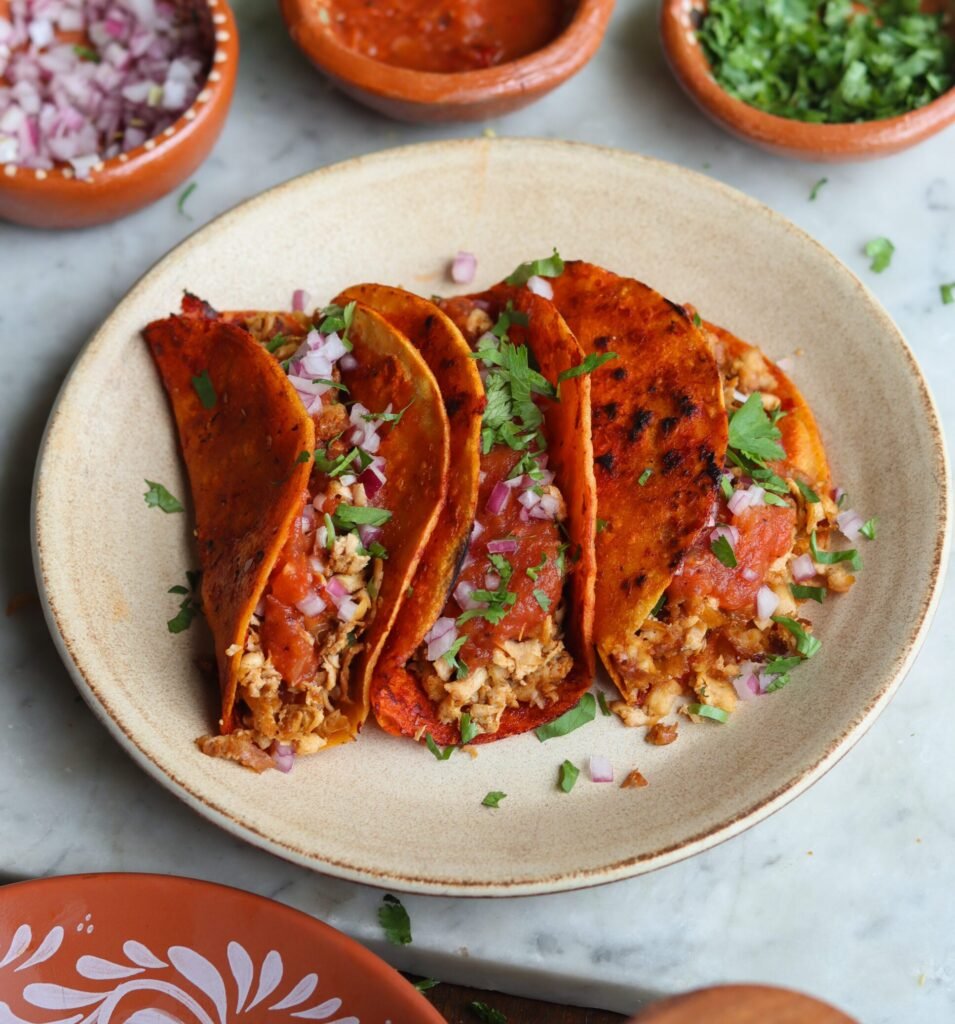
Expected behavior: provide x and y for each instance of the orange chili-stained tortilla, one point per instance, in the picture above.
(415, 449)
(246, 445)
(446, 352)
(659, 407)
(801, 438)
(403, 705)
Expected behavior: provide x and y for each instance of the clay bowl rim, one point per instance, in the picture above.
(824, 141)
(216, 89)
(545, 68)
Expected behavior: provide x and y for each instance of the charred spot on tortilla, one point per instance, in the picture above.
(605, 461)
(668, 425)
(640, 421)
(686, 405)
(602, 342)
(677, 308)
(671, 460)
(609, 410)
(619, 373)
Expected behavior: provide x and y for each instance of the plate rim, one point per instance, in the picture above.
(562, 881)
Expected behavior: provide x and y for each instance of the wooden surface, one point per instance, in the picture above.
(725, 1004)
(454, 1001)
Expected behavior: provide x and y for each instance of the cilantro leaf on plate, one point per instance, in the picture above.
(158, 497)
(394, 921)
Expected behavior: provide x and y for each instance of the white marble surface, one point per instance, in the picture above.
(849, 893)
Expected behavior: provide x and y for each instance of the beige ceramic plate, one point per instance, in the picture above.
(383, 810)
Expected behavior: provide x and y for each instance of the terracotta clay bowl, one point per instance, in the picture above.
(409, 95)
(827, 142)
(125, 183)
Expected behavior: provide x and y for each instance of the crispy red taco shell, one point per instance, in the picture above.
(401, 703)
(415, 449)
(657, 406)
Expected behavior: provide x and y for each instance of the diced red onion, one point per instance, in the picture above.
(601, 770)
(317, 565)
(492, 581)
(300, 299)
(348, 479)
(546, 508)
(750, 574)
(372, 479)
(306, 386)
(462, 594)
(838, 494)
(334, 348)
(785, 364)
(476, 530)
(497, 500)
(316, 364)
(751, 497)
(348, 362)
(260, 607)
(529, 498)
(803, 569)
(372, 441)
(283, 756)
(746, 683)
(767, 602)
(336, 589)
(739, 396)
(440, 643)
(308, 518)
(347, 609)
(508, 546)
(729, 532)
(540, 286)
(850, 523)
(151, 65)
(463, 268)
(443, 625)
(321, 538)
(369, 534)
(311, 606)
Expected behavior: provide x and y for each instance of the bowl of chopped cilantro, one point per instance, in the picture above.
(838, 80)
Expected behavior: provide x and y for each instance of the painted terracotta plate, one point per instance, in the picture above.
(383, 810)
(152, 949)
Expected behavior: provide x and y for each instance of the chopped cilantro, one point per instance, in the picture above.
(726, 485)
(645, 476)
(833, 557)
(468, 729)
(181, 204)
(487, 1013)
(602, 701)
(338, 319)
(542, 599)
(560, 560)
(338, 467)
(879, 251)
(697, 320)
(387, 417)
(806, 644)
(568, 776)
(158, 497)
(377, 550)
(347, 516)
(807, 492)
(659, 606)
(460, 670)
(948, 293)
(723, 550)
(535, 570)
(831, 63)
(588, 364)
(816, 188)
(189, 606)
(422, 984)
(550, 266)
(774, 499)
(708, 711)
(302, 457)
(328, 382)
(495, 603)
(843, 500)
(494, 798)
(276, 343)
(88, 53)
(779, 669)
(329, 532)
(584, 711)
(868, 528)
(602, 525)
(769, 480)
(804, 593)
(441, 755)
(752, 433)
(204, 389)
(394, 921)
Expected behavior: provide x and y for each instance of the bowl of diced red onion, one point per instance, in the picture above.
(107, 105)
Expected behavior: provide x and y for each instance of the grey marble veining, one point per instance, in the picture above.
(849, 893)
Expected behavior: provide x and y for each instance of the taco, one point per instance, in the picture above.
(317, 453)
(501, 641)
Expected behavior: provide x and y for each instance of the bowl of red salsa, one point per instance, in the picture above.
(447, 60)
